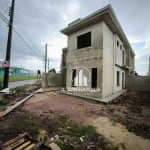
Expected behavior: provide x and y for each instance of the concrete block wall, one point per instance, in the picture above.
(139, 83)
(53, 80)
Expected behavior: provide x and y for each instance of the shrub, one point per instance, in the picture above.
(1, 85)
(3, 102)
(19, 89)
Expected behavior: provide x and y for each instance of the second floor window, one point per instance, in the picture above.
(84, 40)
(120, 47)
(73, 77)
(123, 58)
(117, 43)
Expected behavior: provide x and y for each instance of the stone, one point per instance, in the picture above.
(56, 137)
(54, 146)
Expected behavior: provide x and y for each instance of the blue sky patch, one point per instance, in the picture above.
(138, 45)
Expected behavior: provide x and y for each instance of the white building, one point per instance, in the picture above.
(98, 43)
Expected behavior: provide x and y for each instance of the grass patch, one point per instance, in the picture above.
(81, 130)
(64, 146)
(3, 102)
(28, 122)
(13, 78)
(18, 89)
(2, 108)
(68, 131)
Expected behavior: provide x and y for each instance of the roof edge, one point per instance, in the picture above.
(85, 18)
(108, 8)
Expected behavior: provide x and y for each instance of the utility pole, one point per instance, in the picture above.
(45, 65)
(48, 64)
(8, 51)
(149, 68)
(45, 58)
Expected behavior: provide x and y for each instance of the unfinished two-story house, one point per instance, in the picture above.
(98, 54)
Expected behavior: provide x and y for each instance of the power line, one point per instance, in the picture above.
(27, 44)
(4, 19)
(1, 14)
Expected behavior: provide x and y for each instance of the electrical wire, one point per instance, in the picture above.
(18, 34)
(4, 19)
(26, 43)
(1, 14)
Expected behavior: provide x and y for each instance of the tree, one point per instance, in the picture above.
(52, 70)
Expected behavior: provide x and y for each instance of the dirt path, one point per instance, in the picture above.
(82, 111)
(54, 103)
(119, 135)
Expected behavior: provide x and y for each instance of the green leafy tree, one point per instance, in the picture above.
(52, 70)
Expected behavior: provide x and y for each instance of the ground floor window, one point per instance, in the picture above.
(94, 78)
(73, 77)
(123, 80)
(118, 78)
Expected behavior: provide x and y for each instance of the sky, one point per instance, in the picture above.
(40, 21)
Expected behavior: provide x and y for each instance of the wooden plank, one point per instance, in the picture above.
(14, 139)
(11, 108)
(15, 144)
(38, 145)
(30, 146)
(23, 145)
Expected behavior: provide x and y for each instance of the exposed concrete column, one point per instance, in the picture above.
(114, 61)
(129, 61)
(44, 80)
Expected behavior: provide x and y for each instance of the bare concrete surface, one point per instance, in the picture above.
(86, 112)
(103, 100)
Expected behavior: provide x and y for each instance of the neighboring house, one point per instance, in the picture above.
(98, 46)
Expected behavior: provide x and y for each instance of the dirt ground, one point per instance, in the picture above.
(130, 110)
(125, 122)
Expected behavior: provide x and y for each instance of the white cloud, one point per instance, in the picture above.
(55, 42)
(142, 58)
(147, 44)
(41, 21)
(135, 39)
(71, 11)
(31, 63)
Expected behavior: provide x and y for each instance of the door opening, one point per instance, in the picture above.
(123, 86)
(94, 78)
(73, 77)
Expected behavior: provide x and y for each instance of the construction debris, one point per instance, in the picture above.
(24, 142)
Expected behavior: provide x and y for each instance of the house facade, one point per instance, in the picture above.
(98, 55)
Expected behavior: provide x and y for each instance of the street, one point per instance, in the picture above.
(19, 83)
